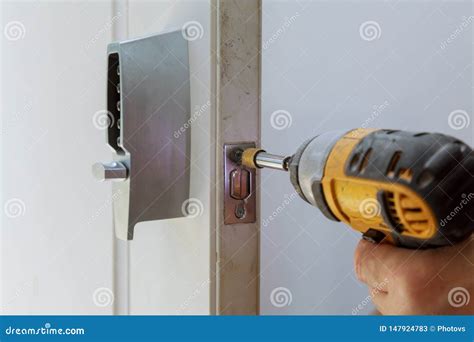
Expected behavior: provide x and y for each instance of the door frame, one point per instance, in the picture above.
(236, 51)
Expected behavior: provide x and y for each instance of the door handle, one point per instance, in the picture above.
(110, 171)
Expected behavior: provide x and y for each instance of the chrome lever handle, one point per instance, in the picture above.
(110, 171)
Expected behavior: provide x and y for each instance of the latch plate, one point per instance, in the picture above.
(239, 188)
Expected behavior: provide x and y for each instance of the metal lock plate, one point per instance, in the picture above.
(148, 101)
(239, 188)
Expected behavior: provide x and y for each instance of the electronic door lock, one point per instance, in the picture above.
(148, 100)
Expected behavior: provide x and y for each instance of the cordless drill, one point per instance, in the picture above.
(414, 190)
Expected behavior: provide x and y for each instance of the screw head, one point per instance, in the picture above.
(240, 211)
(236, 155)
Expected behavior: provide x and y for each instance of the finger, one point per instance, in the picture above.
(373, 263)
(367, 268)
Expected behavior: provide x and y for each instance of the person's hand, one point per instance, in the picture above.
(418, 282)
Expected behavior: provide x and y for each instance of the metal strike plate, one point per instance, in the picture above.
(148, 103)
(240, 205)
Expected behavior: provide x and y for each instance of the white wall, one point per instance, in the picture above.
(317, 67)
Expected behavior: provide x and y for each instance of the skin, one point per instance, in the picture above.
(417, 282)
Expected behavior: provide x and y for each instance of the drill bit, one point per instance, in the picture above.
(257, 159)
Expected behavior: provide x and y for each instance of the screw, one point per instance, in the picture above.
(236, 155)
(240, 211)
